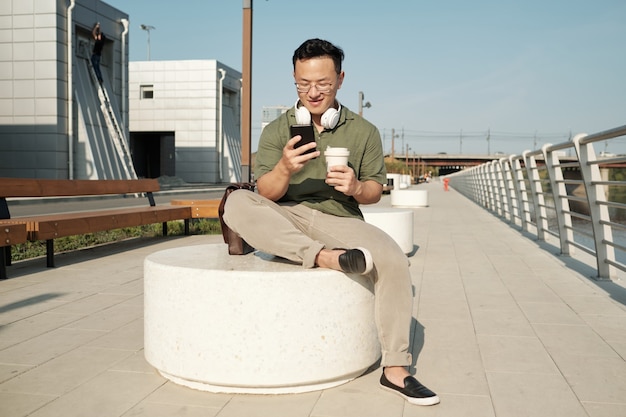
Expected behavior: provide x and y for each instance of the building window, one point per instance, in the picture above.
(147, 92)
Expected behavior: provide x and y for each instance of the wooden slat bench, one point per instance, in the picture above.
(200, 209)
(51, 226)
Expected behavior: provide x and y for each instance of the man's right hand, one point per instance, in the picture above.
(294, 159)
(274, 184)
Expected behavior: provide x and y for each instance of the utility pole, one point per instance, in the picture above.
(361, 105)
(393, 136)
(246, 99)
(406, 157)
(148, 28)
(489, 141)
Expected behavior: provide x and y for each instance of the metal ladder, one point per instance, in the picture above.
(116, 132)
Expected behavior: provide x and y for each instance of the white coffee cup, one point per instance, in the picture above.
(336, 157)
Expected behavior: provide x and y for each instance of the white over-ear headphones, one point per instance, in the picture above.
(330, 118)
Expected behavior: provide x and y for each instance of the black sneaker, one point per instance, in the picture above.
(413, 391)
(356, 261)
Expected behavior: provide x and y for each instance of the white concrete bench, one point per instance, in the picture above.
(409, 198)
(255, 323)
(397, 223)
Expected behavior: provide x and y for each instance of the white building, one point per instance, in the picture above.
(270, 113)
(45, 81)
(57, 122)
(185, 120)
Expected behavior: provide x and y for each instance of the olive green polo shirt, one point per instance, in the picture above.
(308, 186)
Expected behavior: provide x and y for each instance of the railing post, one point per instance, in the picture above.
(493, 188)
(481, 174)
(598, 212)
(561, 202)
(499, 187)
(536, 190)
(519, 188)
(508, 189)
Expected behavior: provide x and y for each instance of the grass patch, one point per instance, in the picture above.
(31, 250)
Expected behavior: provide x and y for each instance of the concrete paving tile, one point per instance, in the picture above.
(136, 362)
(168, 410)
(127, 337)
(109, 394)
(454, 406)
(533, 395)
(577, 340)
(597, 304)
(443, 265)
(485, 285)
(616, 289)
(439, 308)
(33, 326)
(47, 346)
(13, 284)
(500, 302)
(173, 394)
(65, 372)
(442, 287)
(515, 354)
(59, 290)
(452, 371)
(550, 313)
(509, 322)
(91, 304)
(620, 348)
(595, 379)
(565, 286)
(448, 334)
(483, 273)
(529, 290)
(349, 402)
(11, 370)
(133, 287)
(295, 405)
(505, 263)
(21, 405)
(110, 318)
(23, 303)
(604, 410)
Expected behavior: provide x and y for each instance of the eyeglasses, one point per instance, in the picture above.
(321, 88)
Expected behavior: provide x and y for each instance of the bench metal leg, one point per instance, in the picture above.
(7, 255)
(3, 262)
(186, 227)
(164, 228)
(50, 253)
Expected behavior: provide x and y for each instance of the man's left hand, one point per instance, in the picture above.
(342, 178)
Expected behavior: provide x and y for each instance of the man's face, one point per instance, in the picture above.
(318, 74)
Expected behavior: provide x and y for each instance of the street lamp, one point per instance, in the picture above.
(361, 105)
(147, 28)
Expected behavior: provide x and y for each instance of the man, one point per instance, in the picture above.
(304, 214)
(99, 39)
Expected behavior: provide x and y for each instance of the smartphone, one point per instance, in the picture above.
(306, 132)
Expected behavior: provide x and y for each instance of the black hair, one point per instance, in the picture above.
(314, 48)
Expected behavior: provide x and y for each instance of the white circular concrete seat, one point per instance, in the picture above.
(409, 198)
(255, 323)
(397, 223)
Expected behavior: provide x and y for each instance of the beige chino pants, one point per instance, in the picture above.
(298, 233)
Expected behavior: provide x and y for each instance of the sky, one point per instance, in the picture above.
(454, 76)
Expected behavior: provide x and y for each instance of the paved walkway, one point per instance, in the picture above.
(504, 328)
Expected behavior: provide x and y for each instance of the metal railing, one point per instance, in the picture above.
(580, 200)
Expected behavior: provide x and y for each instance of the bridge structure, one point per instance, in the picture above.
(445, 164)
